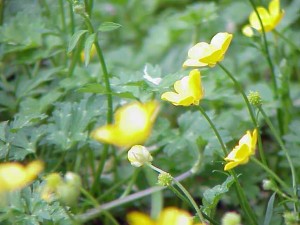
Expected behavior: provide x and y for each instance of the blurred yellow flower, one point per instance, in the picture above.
(133, 125)
(242, 152)
(247, 31)
(169, 216)
(15, 176)
(92, 53)
(270, 18)
(203, 54)
(188, 90)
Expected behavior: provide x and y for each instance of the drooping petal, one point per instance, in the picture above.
(247, 31)
(193, 63)
(221, 41)
(177, 99)
(195, 84)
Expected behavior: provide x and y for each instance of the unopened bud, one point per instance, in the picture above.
(268, 185)
(138, 155)
(291, 218)
(231, 218)
(79, 9)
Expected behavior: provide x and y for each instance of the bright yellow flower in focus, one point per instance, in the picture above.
(270, 18)
(169, 216)
(242, 152)
(15, 176)
(204, 54)
(188, 90)
(133, 125)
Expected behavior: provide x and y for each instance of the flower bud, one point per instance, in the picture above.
(231, 218)
(79, 9)
(268, 185)
(165, 179)
(138, 155)
(254, 98)
(291, 218)
(73, 179)
(68, 194)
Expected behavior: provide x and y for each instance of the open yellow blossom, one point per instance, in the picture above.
(204, 54)
(270, 18)
(188, 90)
(169, 216)
(133, 125)
(242, 152)
(15, 176)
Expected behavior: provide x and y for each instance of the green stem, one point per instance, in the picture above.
(1, 11)
(131, 183)
(243, 201)
(271, 173)
(93, 213)
(292, 44)
(72, 23)
(185, 192)
(254, 121)
(240, 193)
(287, 155)
(214, 129)
(109, 115)
(269, 60)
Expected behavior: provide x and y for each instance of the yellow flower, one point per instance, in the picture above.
(270, 18)
(188, 90)
(133, 125)
(242, 152)
(169, 216)
(203, 54)
(15, 176)
(247, 31)
(92, 53)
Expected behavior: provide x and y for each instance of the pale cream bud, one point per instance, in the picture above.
(138, 155)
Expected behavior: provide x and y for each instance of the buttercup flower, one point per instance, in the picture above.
(270, 18)
(169, 216)
(242, 152)
(204, 54)
(15, 176)
(133, 125)
(138, 155)
(188, 90)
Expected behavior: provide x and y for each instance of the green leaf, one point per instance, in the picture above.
(269, 211)
(99, 89)
(212, 196)
(87, 48)
(75, 38)
(92, 88)
(109, 26)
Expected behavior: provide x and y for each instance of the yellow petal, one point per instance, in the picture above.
(193, 63)
(247, 31)
(174, 216)
(15, 176)
(254, 141)
(195, 84)
(137, 218)
(133, 124)
(230, 165)
(221, 41)
(274, 7)
(177, 99)
(265, 18)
